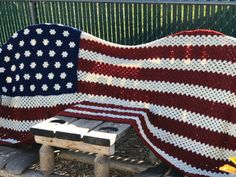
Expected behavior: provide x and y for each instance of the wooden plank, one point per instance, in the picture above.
(6, 155)
(76, 145)
(28, 173)
(106, 134)
(20, 162)
(77, 129)
(48, 128)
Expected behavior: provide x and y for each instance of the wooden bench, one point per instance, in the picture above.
(78, 134)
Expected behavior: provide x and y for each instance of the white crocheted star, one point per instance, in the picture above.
(57, 64)
(21, 43)
(39, 31)
(9, 80)
(50, 76)
(52, 31)
(27, 53)
(63, 75)
(21, 88)
(26, 76)
(38, 76)
(59, 43)
(17, 56)
(2, 70)
(69, 85)
(4, 89)
(26, 31)
(52, 53)
(66, 33)
(45, 64)
(32, 87)
(70, 65)
(33, 65)
(72, 44)
(21, 66)
(33, 42)
(64, 54)
(45, 42)
(57, 87)
(44, 87)
(13, 67)
(15, 35)
(9, 47)
(7, 59)
(17, 78)
(39, 53)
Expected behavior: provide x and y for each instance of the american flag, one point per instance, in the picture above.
(38, 78)
(177, 92)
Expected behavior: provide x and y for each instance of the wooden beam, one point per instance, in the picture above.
(118, 163)
(76, 145)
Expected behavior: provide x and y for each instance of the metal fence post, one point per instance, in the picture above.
(32, 11)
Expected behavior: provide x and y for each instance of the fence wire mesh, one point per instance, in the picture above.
(120, 22)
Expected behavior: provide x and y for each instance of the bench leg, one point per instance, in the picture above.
(46, 157)
(101, 166)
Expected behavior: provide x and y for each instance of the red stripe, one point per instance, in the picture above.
(195, 159)
(31, 113)
(195, 133)
(211, 80)
(198, 32)
(24, 137)
(227, 53)
(102, 105)
(212, 109)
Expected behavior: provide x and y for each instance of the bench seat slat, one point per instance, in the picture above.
(48, 127)
(77, 129)
(106, 134)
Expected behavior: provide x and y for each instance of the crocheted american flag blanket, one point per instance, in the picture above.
(177, 92)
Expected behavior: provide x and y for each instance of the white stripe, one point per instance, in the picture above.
(177, 162)
(206, 93)
(161, 133)
(206, 65)
(20, 126)
(168, 137)
(39, 101)
(198, 40)
(195, 119)
(9, 140)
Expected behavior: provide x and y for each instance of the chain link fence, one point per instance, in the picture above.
(127, 22)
